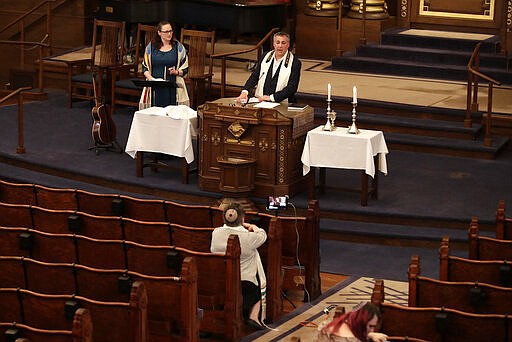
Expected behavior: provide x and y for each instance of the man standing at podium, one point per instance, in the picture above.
(277, 75)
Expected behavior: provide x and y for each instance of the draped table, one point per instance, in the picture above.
(168, 130)
(365, 151)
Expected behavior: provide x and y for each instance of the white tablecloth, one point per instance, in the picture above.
(339, 149)
(166, 130)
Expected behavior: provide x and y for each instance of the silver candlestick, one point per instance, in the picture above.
(331, 116)
(353, 128)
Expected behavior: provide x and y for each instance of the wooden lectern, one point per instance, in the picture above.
(272, 137)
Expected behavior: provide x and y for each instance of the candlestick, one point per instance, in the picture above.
(328, 92)
(354, 94)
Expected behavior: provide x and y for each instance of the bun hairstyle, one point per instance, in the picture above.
(233, 214)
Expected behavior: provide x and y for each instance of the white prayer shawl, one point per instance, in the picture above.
(263, 287)
(284, 72)
(181, 90)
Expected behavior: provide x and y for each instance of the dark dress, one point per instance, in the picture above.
(164, 96)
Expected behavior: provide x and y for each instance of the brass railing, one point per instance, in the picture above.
(229, 55)
(472, 94)
(18, 92)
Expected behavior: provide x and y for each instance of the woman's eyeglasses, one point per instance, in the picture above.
(170, 31)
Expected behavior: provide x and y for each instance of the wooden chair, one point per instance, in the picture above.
(124, 91)
(55, 198)
(200, 48)
(107, 51)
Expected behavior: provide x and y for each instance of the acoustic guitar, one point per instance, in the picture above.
(103, 127)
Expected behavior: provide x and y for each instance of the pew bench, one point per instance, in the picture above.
(439, 324)
(112, 321)
(487, 248)
(471, 297)
(81, 331)
(172, 301)
(452, 268)
(503, 223)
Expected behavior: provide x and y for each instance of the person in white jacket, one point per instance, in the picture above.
(251, 269)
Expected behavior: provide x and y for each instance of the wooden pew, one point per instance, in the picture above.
(37, 245)
(219, 290)
(17, 193)
(112, 321)
(97, 204)
(486, 248)
(503, 223)
(81, 331)
(15, 215)
(188, 215)
(472, 297)
(452, 268)
(142, 209)
(439, 324)
(55, 198)
(172, 301)
(300, 256)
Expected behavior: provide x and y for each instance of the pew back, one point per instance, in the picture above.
(119, 321)
(472, 297)
(80, 332)
(439, 324)
(487, 248)
(452, 268)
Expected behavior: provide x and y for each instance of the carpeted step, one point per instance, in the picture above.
(467, 148)
(417, 126)
(386, 66)
(439, 40)
(426, 55)
(394, 232)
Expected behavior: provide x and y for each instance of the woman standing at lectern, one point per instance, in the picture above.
(165, 58)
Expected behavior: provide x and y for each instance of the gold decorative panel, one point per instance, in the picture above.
(469, 9)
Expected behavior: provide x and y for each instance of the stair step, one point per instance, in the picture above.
(435, 41)
(429, 127)
(414, 69)
(467, 148)
(428, 55)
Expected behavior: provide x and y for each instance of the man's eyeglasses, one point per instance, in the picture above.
(170, 31)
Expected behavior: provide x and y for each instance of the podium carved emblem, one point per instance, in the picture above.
(236, 129)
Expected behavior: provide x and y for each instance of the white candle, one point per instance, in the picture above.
(354, 95)
(328, 91)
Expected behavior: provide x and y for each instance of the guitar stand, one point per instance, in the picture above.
(112, 147)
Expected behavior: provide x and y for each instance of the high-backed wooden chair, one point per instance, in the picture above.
(107, 51)
(200, 48)
(124, 91)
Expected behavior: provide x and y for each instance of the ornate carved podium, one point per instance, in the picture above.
(273, 138)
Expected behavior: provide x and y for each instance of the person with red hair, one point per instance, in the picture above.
(358, 325)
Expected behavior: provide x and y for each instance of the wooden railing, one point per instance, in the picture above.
(19, 93)
(41, 46)
(229, 56)
(44, 44)
(472, 94)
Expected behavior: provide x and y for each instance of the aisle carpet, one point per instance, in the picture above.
(304, 321)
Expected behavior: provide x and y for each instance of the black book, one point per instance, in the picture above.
(297, 106)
